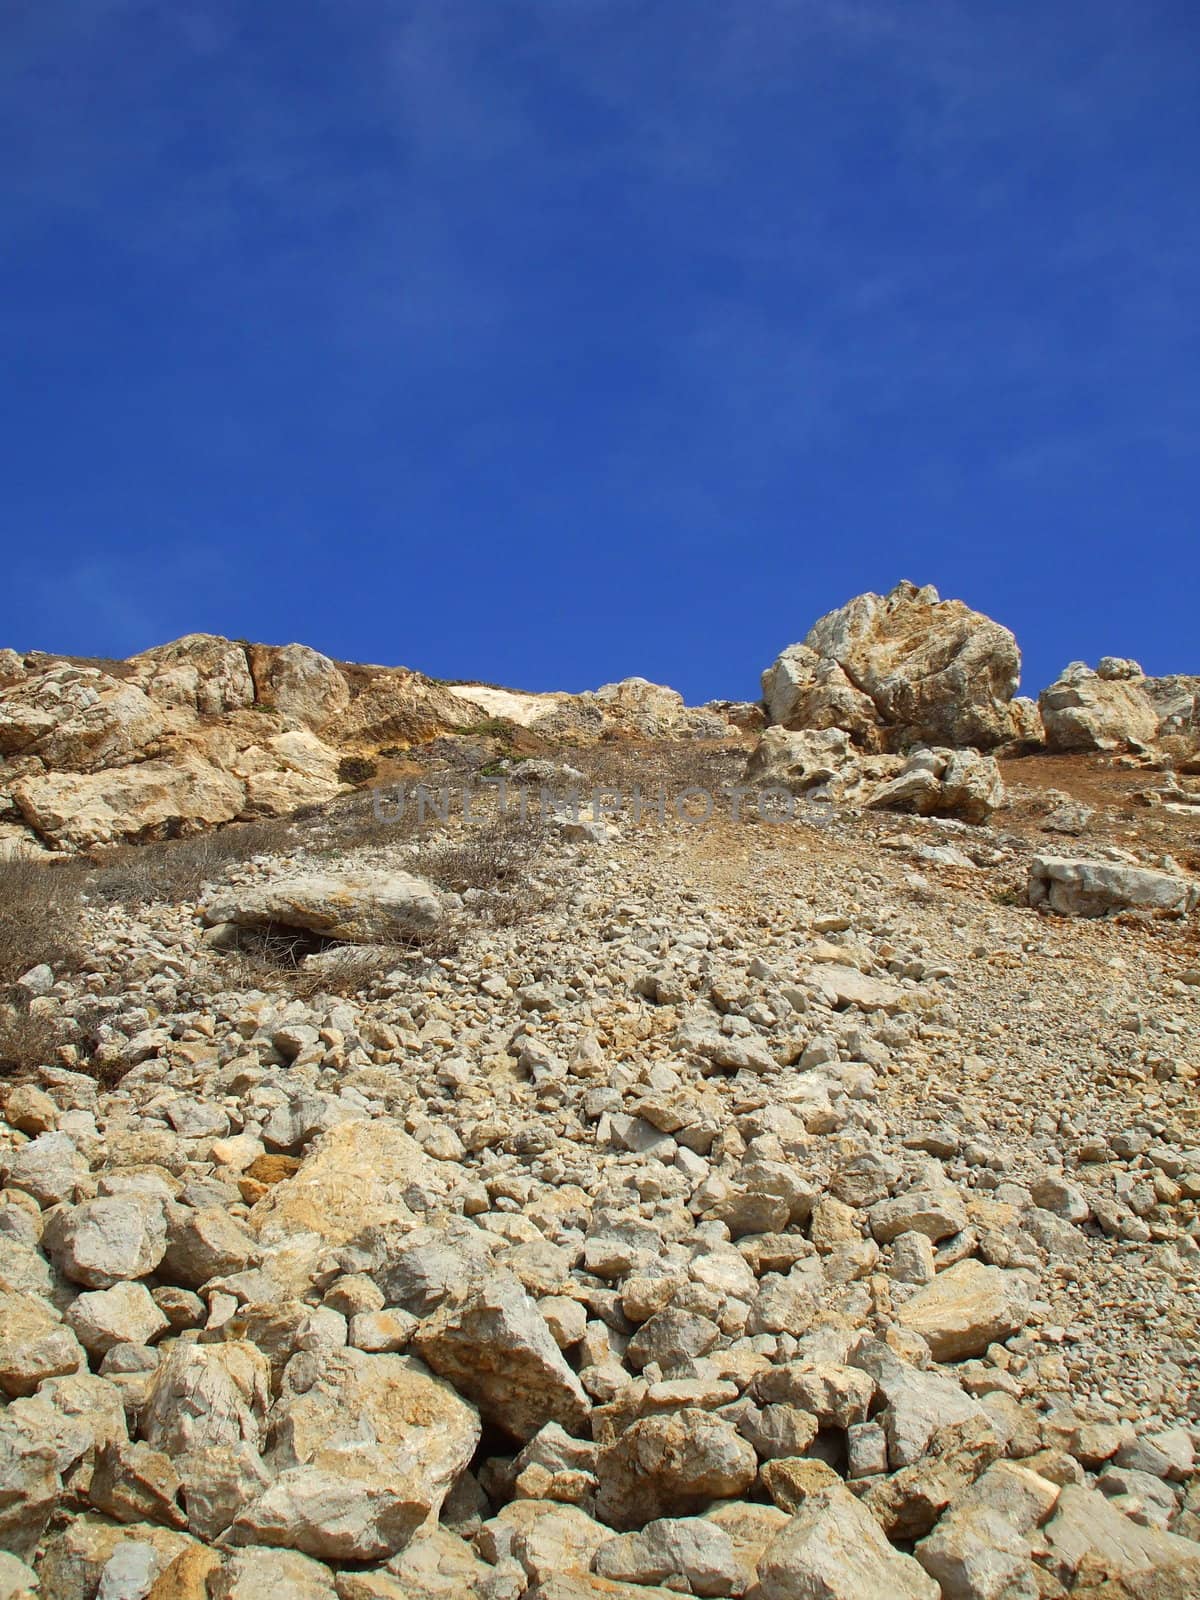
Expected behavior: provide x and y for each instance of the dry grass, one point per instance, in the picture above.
(28, 1041)
(493, 857)
(674, 765)
(346, 970)
(373, 818)
(40, 905)
(178, 870)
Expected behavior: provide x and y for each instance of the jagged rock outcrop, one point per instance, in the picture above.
(944, 783)
(187, 736)
(823, 764)
(146, 799)
(1117, 707)
(901, 669)
(202, 672)
(78, 719)
(302, 685)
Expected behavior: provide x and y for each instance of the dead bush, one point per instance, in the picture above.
(494, 856)
(674, 765)
(178, 870)
(345, 970)
(373, 817)
(28, 1040)
(356, 770)
(40, 908)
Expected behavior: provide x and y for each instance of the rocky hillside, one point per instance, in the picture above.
(206, 731)
(751, 1151)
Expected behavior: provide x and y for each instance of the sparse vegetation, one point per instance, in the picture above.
(39, 915)
(180, 869)
(490, 728)
(28, 1040)
(346, 970)
(494, 856)
(356, 770)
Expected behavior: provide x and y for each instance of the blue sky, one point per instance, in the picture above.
(552, 341)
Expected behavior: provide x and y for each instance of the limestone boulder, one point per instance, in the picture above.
(833, 1549)
(670, 1466)
(135, 1483)
(357, 908)
(292, 769)
(1088, 1531)
(18, 843)
(29, 1486)
(496, 1348)
(93, 1557)
(146, 800)
(34, 1344)
(803, 689)
(804, 761)
(1098, 888)
(50, 1168)
(981, 1548)
(306, 688)
(218, 1483)
(943, 783)
(210, 1395)
(254, 1574)
(438, 1565)
(966, 1308)
(203, 1244)
(393, 706)
(650, 709)
(1105, 710)
(365, 1449)
(690, 1548)
(124, 1314)
(72, 1416)
(910, 668)
(110, 1239)
(17, 1581)
(356, 1176)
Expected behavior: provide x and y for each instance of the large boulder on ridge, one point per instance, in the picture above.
(202, 672)
(303, 686)
(1118, 707)
(1104, 710)
(900, 669)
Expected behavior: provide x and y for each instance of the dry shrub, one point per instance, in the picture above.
(28, 1040)
(673, 764)
(282, 960)
(356, 770)
(373, 817)
(345, 970)
(178, 870)
(496, 856)
(277, 948)
(39, 915)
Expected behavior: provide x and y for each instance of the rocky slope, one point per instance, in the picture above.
(206, 731)
(793, 1196)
